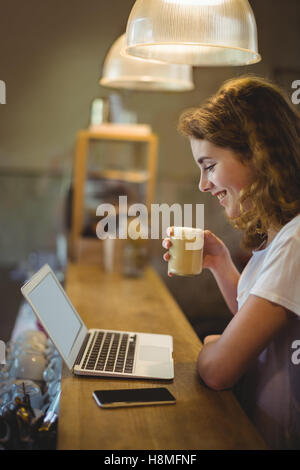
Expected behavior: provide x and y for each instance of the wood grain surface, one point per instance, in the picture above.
(201, 418)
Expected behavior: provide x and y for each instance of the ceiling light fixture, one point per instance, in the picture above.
(194, 32)
(123, 71)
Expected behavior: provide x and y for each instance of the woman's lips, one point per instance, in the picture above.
(221, 195)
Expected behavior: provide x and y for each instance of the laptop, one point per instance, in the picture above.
(95, 352)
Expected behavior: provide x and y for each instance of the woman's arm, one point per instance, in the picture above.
(221, 363)
(227, 278)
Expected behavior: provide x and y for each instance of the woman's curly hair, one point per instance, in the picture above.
(253, 117)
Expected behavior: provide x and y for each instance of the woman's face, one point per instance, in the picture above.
(222, 174)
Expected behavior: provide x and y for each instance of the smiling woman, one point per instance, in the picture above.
(222, 174)
(245, 140)
(254, 120)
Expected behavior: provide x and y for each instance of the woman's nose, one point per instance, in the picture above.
(205, 184)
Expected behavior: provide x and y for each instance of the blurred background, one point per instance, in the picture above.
(51, 58)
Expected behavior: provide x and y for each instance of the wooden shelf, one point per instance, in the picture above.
(128, 176)
(135, 134)
(118, 132)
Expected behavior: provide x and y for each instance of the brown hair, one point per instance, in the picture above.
(253, 117)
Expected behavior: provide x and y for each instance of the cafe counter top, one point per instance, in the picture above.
(200, 419)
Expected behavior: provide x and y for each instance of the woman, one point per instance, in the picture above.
(245, 140)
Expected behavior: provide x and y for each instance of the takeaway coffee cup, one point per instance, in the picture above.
(186, 251)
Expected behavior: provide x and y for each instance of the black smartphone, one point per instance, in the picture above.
(133, 397)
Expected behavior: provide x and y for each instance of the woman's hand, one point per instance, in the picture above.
(214, 250)
(217, 259)
(166, 244)
(211, 339)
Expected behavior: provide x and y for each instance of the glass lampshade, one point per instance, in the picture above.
(123, 71)
(194, 32)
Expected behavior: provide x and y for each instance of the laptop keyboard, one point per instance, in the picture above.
(110, 352)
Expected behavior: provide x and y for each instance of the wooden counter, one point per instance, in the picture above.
(201, 418)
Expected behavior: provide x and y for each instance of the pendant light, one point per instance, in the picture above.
(194, 32)
(123, 71)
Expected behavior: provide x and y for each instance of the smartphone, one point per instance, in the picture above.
(133, 397)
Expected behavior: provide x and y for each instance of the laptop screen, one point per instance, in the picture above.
(56, 312)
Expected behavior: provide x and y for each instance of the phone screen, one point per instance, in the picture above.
(133, 397)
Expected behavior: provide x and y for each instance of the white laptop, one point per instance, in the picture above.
(95, 352)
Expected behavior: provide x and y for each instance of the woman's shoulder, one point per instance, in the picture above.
(285, 246)
(293, 224)
(289, 232)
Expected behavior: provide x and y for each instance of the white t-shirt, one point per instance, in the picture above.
(270, 389)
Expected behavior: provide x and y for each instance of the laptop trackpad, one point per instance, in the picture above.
(154, 354)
